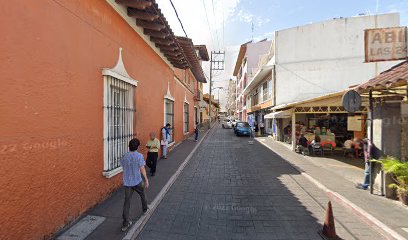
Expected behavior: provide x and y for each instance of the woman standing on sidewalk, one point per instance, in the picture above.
(153, 145)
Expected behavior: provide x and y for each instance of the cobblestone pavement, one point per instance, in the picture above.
(111, 208)
(234, 190)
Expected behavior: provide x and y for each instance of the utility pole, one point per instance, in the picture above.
(216, 64)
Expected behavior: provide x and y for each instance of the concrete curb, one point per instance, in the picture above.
(373, 222)
(135, 230)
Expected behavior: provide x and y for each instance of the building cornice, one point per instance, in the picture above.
(122, 11)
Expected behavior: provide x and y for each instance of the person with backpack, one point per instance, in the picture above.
(165, 136)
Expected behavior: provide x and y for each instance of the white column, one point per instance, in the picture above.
(293, 130)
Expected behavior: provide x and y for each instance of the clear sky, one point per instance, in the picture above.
(226, 24)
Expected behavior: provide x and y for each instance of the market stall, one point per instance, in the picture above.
(326, 117)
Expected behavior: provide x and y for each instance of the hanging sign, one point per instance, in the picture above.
(351, 101)
(385, 44)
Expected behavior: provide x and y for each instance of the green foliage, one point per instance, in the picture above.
(399, 171)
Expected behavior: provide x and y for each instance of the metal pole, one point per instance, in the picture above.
(372, 165)
(219, 96)
(209, 107)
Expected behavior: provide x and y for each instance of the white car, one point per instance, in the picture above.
(226, 123)
(233, 122)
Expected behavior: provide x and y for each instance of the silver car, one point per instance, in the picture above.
(226, 123)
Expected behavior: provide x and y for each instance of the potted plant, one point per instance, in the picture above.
(399, 172)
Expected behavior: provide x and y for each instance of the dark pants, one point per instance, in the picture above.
(262, 131)
(196, 135)
(128, 196)
(153, 157)
(367, 172)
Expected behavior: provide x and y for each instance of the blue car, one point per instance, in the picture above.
(242, 129)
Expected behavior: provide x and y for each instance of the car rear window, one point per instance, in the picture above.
(243, 124)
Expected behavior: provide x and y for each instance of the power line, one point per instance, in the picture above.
(178, 18)
(223, 25)
(215, 23)
(304, 79)
(208, 23)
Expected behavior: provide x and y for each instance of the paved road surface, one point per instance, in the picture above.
(233, 190)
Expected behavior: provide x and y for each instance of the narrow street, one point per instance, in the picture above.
(95, 90)
(233, 190)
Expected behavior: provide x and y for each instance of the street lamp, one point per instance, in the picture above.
(219, 88)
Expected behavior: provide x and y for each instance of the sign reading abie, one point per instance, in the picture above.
(385, 44)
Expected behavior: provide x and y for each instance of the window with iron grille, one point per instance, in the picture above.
(119, 110)
(186, 117)
(169, 116)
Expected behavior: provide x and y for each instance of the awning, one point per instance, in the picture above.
(391, 84)
(396, 76)
(280, 114)
(331, 99)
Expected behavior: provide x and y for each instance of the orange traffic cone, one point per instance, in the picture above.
(329, 230)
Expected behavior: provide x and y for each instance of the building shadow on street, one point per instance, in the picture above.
(234, 190)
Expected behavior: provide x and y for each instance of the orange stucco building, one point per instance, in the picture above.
(79, 79)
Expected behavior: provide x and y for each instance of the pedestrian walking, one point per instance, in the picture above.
(367, 169)
(262, 128)
(133, 168)
(196, 132)
(165, 136)
(370, 151)
(153, 153)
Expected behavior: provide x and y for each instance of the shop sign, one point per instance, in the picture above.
(385, 44)
(351, 101)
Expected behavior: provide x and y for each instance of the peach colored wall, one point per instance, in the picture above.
(51, 124)
(186, 77)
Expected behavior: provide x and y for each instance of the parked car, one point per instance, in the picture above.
(226, 123)
(233, 122)
(242, 129)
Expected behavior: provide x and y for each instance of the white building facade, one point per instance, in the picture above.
(326, 57)
(245, 68)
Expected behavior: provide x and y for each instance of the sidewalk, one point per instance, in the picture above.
(389, 212)
(111, 208)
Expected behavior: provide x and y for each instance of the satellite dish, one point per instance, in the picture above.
(351, 101)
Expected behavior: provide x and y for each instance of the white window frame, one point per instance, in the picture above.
(170, 98)
(270, 86)
(117, 77)
(186, 121)
(172, 122)
(186, 131)
(264, 91)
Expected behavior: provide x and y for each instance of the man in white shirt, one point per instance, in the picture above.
(262, 128)
(348, 144)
